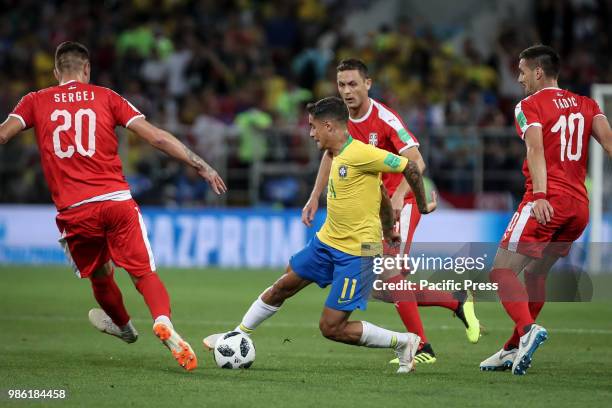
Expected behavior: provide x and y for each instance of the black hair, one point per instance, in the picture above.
(544, 57)
(332, 108)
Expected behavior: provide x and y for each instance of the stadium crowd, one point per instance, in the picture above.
(232, 79)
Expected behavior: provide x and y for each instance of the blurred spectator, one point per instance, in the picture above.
(211, 136)
(231, 79)
(252, 125)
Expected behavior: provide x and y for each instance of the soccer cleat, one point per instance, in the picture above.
(181, 350)
(425, 355)
(500, 361)
(528, 344)
(465, 313)
(101, 321)
(405, 353)
(210, 341)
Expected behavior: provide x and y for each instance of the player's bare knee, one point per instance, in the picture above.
(103, 271)
(327, 329)
(505, 259)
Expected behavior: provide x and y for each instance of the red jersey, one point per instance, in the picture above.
(383, 128)
(566, 119)
(75, 131)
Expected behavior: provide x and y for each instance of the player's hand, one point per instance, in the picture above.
(397, 203)
(542, 211)
(393, 237)
(392, 241)
(213, 179)
(433, 204)
(309, 211)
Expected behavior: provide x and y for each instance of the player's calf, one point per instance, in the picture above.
(340, 331)
(285, 287)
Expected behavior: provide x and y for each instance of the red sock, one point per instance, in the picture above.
(155, 294)
(534, 311)
(409, 312)
(514, 298)
(426, 297)
(513, 341)
(536, 289)
(109, 298)
(406, 306)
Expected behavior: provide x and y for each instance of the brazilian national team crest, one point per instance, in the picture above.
(373, 139)
(343, 171)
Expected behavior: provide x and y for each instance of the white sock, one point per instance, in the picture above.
(257, 313)
(377, 337)
(164, 319)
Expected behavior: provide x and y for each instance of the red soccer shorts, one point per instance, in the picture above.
(527, 237)
(94, 233)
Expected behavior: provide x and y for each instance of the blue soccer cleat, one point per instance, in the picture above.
(528, 344)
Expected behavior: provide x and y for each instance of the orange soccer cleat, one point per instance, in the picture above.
(181, 350)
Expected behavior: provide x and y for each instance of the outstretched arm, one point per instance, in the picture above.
(170, 145)
(603, 133)
(310, 209)
(9, 128)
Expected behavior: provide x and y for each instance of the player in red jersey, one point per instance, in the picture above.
(556, 126)
(99, 222)
(374, 123)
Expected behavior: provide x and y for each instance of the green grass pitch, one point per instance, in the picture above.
(46, 342)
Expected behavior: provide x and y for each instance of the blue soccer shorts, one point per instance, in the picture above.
(350, 276)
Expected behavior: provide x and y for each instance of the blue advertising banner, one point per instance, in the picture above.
(248, 238)
(243, 238)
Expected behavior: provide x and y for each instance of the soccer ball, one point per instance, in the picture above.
(234, 350)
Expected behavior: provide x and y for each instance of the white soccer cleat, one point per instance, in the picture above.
(528, 344)
(210, 341)
(181, 350)
(101, 321)
(405, 353)
(500, 361)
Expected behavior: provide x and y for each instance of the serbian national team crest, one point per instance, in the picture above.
(373, 139)
(342, 171)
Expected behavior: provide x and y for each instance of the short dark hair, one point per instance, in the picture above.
(331, 107)
(544, 57)
(352, 64)
(70, 56)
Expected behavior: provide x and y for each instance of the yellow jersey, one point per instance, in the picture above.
(353, 196)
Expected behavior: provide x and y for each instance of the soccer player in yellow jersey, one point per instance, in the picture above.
(334, 256)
